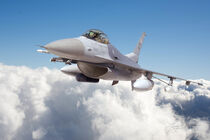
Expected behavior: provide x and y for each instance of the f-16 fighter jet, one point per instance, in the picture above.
(91, 57)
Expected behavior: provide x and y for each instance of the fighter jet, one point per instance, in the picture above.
(91, 57)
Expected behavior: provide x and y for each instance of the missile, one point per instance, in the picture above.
(42, 51)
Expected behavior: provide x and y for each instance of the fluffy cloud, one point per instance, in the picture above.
(46, 104)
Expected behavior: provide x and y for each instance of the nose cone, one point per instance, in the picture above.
(66, 46)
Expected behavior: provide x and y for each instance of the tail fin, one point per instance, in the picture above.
(135, 54)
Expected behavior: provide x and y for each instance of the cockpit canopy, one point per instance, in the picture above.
(97, 35)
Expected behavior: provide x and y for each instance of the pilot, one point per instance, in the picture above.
(92, 35)
(97, 37)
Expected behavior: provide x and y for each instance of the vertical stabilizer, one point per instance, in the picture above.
(135, 54)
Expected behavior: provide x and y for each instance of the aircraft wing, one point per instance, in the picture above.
(125, 64)
(148, 72)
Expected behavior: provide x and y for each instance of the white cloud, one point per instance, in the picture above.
(46, 104)
(39, 133)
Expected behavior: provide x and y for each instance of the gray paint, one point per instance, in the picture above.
(102, 61)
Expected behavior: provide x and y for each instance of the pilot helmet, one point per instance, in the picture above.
(92, 34)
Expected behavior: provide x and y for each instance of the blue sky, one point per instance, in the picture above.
(177, 42)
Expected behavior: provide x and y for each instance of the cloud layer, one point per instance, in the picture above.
(46, 104)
